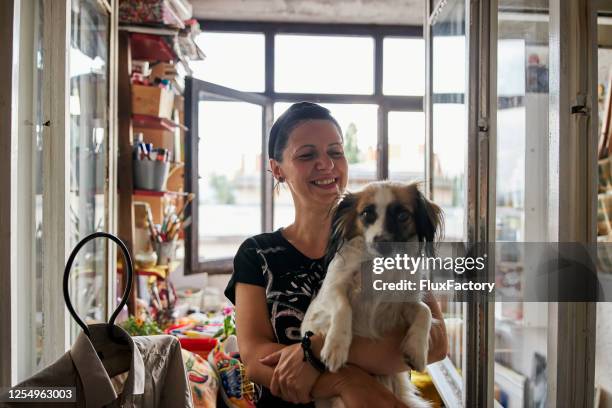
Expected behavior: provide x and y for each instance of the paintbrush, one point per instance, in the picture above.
(190, 198)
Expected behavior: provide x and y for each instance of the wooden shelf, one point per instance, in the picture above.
(153, 122)
(151, 47)
(159, 271)
(161, 44)
(169, 31)
(151, 193)
(149, 44)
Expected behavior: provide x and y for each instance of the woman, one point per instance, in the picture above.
(277, 274)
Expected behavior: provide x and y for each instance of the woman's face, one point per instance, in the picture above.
(313, 163)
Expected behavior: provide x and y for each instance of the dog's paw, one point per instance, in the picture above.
(334, 353)
(414, 349)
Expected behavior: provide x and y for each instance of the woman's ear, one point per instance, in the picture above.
(276, 170)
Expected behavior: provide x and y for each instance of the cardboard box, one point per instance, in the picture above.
(163, 70)
(152, 101)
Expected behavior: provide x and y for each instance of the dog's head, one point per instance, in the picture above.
(383, 213)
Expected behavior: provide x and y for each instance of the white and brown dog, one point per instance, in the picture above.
(362, 224)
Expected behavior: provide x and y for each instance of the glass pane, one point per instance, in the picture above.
(406, 146)
(449, 50)
(404, 66)
(243, 54)
(449, 158)
(230, 176)
(38, 293)
(359, 128)
(88, 155)
(521, 200)
(324, 64)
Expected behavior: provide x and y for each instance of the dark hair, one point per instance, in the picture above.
(289, 120)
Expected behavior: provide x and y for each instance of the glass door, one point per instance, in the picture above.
(521, 198)
(511, 158)
(64, 188)
(447, 170)
(226, 171)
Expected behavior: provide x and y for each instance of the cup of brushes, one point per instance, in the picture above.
(164, 236)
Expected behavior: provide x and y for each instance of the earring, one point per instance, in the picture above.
(281, 179)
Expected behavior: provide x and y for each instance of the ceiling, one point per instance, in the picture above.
(381, 12)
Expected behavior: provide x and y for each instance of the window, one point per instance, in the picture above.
(241, 89)
(449, 51)
(324, 64)
(403, 66)
(234, 60)
(407, 146)
(229, 198)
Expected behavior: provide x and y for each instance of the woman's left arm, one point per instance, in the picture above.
(378, 357)
(438, 339)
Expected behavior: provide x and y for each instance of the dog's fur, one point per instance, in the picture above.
(383, 212)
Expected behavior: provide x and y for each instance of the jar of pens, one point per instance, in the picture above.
(164, 236)
(151, 167)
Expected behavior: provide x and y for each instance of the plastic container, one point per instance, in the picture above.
(150, 174)
(201, 346)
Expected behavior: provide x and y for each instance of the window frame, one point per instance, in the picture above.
(385, 103)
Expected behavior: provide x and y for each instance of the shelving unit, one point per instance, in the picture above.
(152, 44)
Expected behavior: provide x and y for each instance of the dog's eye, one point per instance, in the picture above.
(368, 215)
(403, 216)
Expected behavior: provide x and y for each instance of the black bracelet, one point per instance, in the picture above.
(308, 354)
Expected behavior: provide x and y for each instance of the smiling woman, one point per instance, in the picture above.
(276, 276)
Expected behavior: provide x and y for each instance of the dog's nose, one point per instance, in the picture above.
(381, 244)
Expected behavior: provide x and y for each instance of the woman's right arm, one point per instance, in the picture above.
(254, 332)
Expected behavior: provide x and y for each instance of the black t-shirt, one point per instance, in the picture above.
(291, 280)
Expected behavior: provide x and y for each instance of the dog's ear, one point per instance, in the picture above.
(342, 222)
(429, 219)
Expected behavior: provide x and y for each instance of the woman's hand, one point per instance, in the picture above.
(293, 377)
(358, 389)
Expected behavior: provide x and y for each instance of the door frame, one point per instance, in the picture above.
(9, 55)
(573, 122)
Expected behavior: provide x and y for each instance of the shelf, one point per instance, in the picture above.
(163, 44)
(151, 193)
(154, 122)
(151, 47)
(168, 31)
(160, 271)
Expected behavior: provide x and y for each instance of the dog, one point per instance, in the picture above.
(362, 223)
